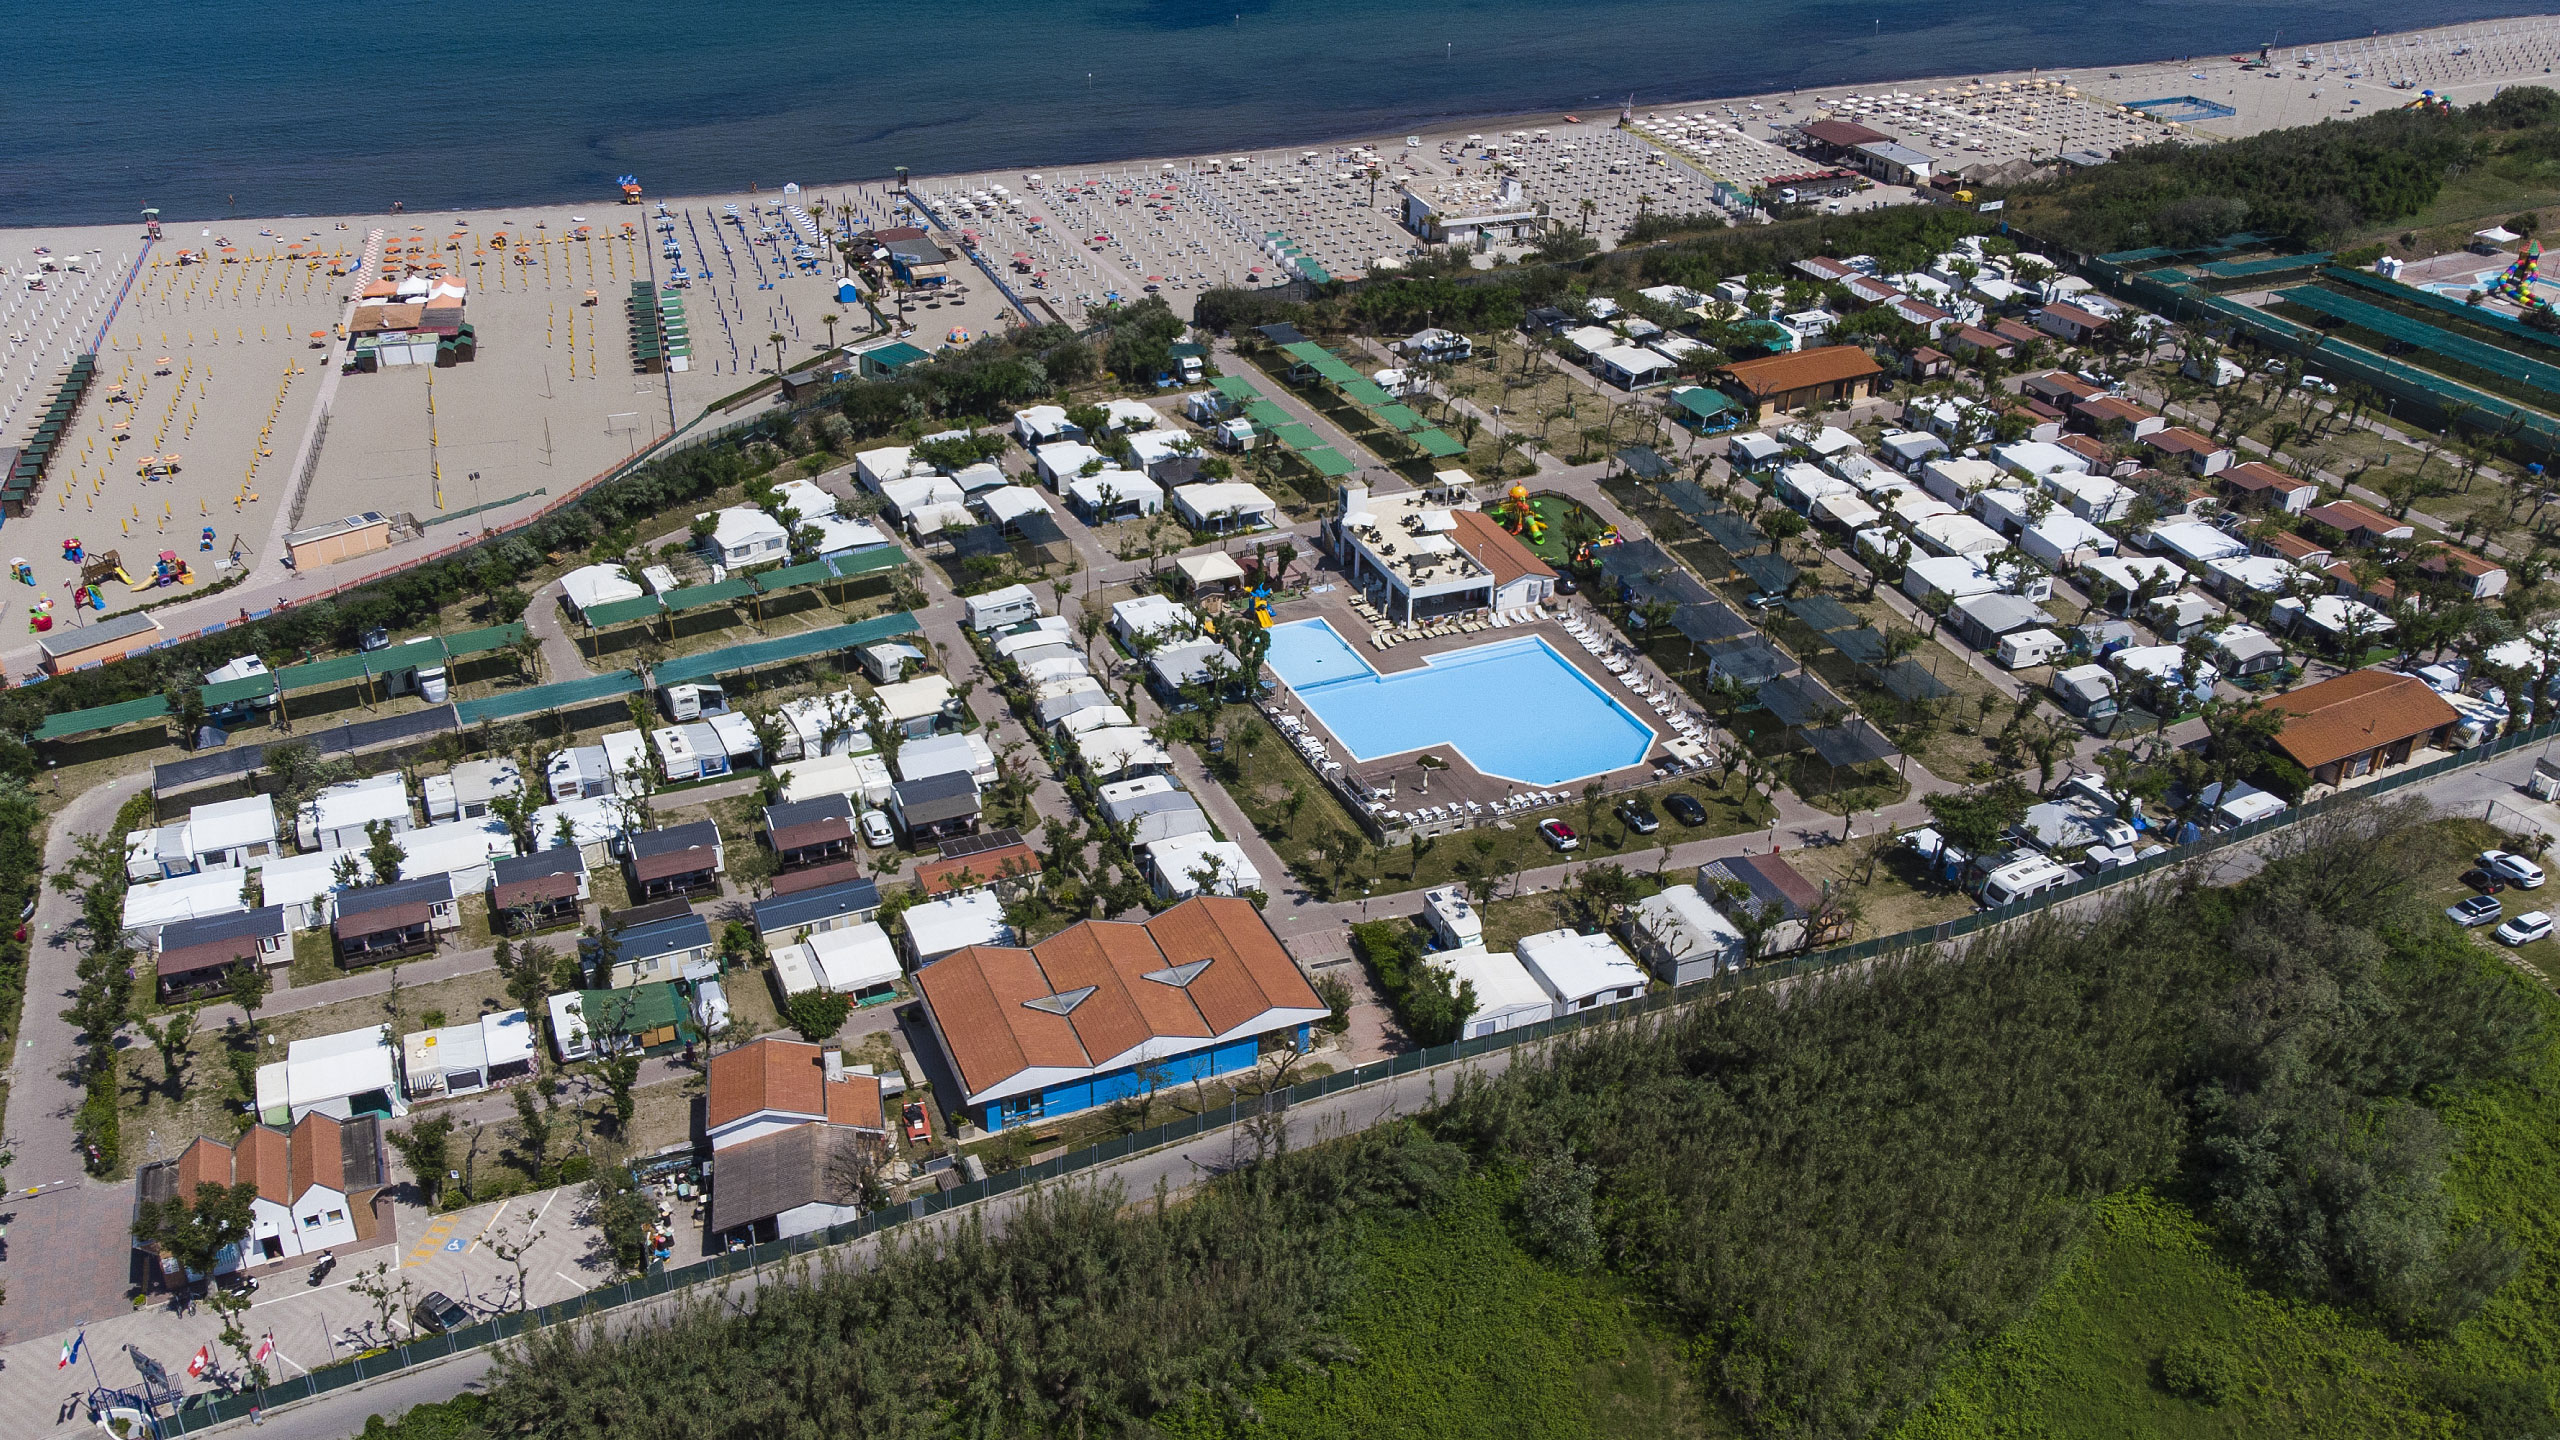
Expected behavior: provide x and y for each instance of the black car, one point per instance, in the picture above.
(1686, 810)
(2484, 881)
(1638, 818)
(1565, 585)
(440, 1314)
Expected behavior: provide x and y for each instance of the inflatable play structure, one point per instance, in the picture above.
(1591, 548)
(2430, 100)
(2519, 282)
(1262, 606)
(1520, 517)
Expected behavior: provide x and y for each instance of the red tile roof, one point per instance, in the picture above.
(1803, 369)
(987, 866)
(2351, 517)
(1119, 986)
(2179, 440)
(789, 1078)
(1495, 548)
(318, 1154)
(2259, 475)
(2359, 711)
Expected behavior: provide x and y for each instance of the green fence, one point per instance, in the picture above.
(656, 1283)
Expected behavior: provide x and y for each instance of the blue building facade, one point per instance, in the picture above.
(1121, 1084)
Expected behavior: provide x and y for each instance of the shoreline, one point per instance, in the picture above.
(1433, 127)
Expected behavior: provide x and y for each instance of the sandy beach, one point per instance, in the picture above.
(218, 368)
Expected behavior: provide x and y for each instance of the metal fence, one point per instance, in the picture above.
(717, 1267)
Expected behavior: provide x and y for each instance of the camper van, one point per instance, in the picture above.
(2019, 879)
(692, 702)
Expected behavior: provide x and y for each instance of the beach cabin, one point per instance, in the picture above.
(1508, 997)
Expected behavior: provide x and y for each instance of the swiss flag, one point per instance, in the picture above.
(202, 1362)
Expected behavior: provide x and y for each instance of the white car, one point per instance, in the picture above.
(2318, 386)
(2525, 929)
(875, 829)
(2514, 869)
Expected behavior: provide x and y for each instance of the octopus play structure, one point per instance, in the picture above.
(2522, 278)
(1520, 517)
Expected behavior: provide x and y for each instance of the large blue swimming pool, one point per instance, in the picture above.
(1513, 708)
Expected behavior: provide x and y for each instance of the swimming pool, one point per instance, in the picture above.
(1515, 709)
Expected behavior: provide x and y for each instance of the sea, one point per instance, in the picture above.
(259, 108)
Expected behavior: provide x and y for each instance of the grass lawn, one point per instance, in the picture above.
(1891, 896)
(1293, 810)
(1454, 1330)
(315, 958)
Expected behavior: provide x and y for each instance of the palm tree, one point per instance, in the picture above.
(830, 322)
(777, 338)
(1589, 207)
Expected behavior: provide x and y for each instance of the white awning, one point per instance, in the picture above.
(1209, 569)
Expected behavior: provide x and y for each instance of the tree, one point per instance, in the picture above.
(511, 1249)
(195, 1230)
(817, 1014)
(382, 851)
(1975, 821)
(170, 1038)
(389, 1294)
(425, 1148)
(620, 1073)
(247, 987)
(622, 1212)
(777, 339)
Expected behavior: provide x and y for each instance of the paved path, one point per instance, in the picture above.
(341, 1413)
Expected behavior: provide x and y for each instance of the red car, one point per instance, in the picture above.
(918, 1129)
(1559, 834)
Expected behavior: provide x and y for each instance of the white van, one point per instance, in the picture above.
(2019, 879)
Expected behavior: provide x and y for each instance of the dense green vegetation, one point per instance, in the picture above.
(1784, 1219)
(2312, 186)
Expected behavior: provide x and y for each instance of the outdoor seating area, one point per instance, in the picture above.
(1309, 741)
(1385, 634)
(1661, 696)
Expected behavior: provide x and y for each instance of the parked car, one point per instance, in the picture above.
(1638, 818)
(2317, 386)
(875, 830)
(1559, 834)
(1685, 809)
(1565, 585)
(440, 1314)
(2514, 869)
(2482, 881)
(2477, 910)
(2525, 929)
(919, 1129)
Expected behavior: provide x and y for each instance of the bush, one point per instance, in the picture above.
(1419, 993)
(2202, 1372)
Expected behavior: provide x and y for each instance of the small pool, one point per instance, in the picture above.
(1515, 709)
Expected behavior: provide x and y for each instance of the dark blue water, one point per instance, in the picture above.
(262, 108)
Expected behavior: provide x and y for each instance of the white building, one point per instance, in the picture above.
(339, 816)
(1062, 460)
(349, 1073)
(936, 928)
(1507, 996)
(1683, 938)
(1151, 615)
(1225, 506)
(858, 961)
(589, 586)
(148, 908)
(1186, 865)
(1581, 972)
(1108, 495)
(877, 468)
(744, 535)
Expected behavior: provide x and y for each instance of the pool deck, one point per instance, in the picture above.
(1461, 782)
